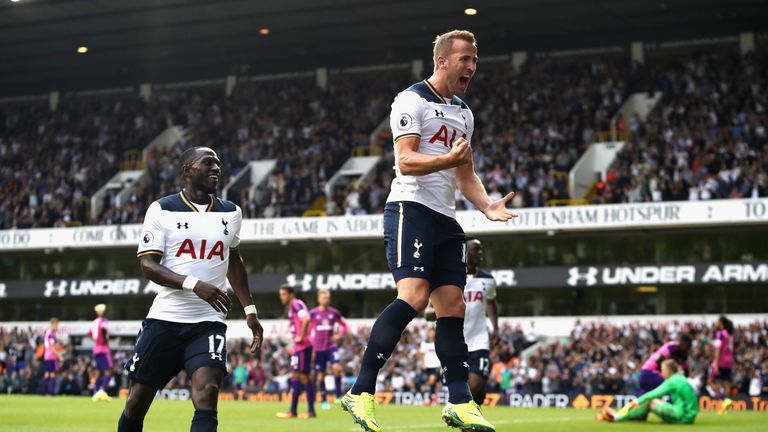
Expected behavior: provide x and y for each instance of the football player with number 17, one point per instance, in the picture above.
(188, 250)
(480, 297)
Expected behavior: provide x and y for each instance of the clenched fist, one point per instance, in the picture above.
(461, 152)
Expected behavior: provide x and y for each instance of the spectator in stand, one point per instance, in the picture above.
(705, 140)
(51, 161)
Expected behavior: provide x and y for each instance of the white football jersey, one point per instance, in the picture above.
(192, 241)
(421, 111)
(480, 289)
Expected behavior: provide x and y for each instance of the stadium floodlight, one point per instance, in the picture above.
(470, 11)
(264, 31)
(82, 50)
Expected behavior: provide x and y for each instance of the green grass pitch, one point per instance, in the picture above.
(60, 414)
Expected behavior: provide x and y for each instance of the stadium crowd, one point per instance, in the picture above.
(705, 140)
(596, 359)
(51, 161)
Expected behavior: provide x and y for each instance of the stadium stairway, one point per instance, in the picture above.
(592, 166)
(132, 170)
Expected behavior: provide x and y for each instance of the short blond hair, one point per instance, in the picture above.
(444, 42)
(671, 365)
(100, 309)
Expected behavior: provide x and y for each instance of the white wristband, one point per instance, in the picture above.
(189, 282)
(250, 309)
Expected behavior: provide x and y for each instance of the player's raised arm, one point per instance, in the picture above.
(413, 163)
(472, 188)
(407, 122)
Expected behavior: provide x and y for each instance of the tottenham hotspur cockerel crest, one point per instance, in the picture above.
(418, 246)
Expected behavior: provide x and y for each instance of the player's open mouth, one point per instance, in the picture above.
(464, 80)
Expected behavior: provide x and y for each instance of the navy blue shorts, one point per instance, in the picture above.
(723, 374)
(422, 243)
(164, 348)
(51, 365)
(649, 380)
(322, 358)
(301, 361)
(103, 361)
(480, 363)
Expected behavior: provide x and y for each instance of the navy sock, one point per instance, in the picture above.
(323, 391)
(295, 392)
(127, 425)
(385, 334)
(452, 352)
(458, 392)
(105, 382)
(311, 396)
(337, 381)
(204, 421)
(98, 384)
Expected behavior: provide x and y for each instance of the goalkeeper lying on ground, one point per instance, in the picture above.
(683, 409)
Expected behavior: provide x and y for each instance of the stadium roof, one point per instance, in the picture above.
(174, 40)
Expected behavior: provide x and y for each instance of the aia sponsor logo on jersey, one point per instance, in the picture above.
(474, 296)
(202, 252)
(442, 136)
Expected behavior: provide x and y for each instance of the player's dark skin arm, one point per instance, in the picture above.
(162, 275)
(492, 310)
(238, 278)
